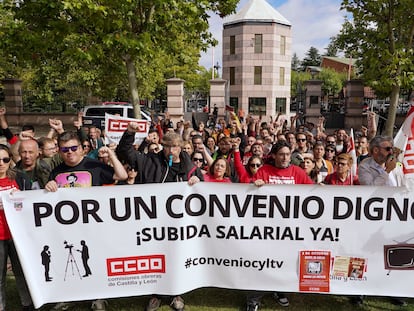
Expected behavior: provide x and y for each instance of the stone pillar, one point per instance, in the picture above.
(313, 100)
(13, 95)
(175, 98)
(354, 100)
(218, 96)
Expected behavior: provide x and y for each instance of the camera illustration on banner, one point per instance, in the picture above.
(71, 267)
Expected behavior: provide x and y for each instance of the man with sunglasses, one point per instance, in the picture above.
(376, 169)
(301, 148)
(89, 172)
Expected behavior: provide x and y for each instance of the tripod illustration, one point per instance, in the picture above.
(71, 259)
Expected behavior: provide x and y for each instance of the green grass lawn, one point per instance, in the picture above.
(215, 299)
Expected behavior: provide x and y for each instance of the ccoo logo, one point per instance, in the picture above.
(135, 265)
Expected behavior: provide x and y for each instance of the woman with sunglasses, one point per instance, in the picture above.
(342, 175)
(11, 180)
(246, 173)
(86, 145)
(198, 159)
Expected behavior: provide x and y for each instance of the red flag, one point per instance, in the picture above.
(352, 151)
(407, 129)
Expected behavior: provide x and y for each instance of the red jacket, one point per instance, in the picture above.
(292, 175)
(5, 184)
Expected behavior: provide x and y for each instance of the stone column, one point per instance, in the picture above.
(354, 100)
(175, 98)
(218, 96)
(13, 95)
(313, 109)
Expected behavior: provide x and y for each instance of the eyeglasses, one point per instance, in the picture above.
(71, 148)
(86, 146)
(341, 163)
(388, 149)
(255, 165)
(5, 160)
(198, 159)
(301, 139)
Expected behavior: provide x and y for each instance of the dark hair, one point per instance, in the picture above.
(279, 145)
(196, 152)
(66, 136)
(253, 157)
(44, 140)
(28, 127)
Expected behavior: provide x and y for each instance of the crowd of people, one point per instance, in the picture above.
(231, 149)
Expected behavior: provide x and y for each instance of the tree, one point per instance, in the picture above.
(295, 62)
(312, 58)
(332, 81)
(332, 48)
(380, 36)
(137, 40)
(298, 81)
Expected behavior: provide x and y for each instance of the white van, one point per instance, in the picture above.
(95, 114)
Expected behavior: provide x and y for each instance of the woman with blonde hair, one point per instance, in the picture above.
(343, 173)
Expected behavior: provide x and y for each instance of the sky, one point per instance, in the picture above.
(313, 23)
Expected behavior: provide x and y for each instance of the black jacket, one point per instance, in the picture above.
(153, 167)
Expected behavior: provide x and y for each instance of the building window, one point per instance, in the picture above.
(258, 43)
(257, 75)
(232, 75)
(282, 76)
(281, 105)
(257, 106)
(282, 45)
(232, 45)
(234, 102)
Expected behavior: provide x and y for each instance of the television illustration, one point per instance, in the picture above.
(399, 256)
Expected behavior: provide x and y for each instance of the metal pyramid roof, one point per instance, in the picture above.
(256, 11)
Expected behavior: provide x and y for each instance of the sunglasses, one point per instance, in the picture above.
(255, 165)
(66, 149)
(198, 159)
(86, 146)
(5, 160)
(387, 148)
(301, 139)
(330, 150)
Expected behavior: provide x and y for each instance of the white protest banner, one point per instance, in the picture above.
(172, 238)
(115, 126)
